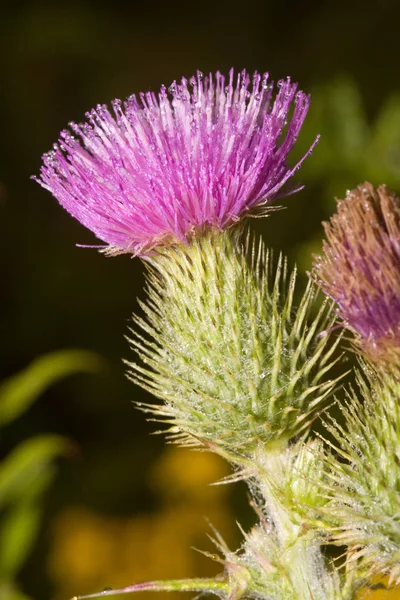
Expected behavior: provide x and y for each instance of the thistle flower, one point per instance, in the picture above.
(159, 167)
(360, 269)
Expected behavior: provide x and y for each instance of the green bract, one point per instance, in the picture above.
(364, 478)
(232, 360)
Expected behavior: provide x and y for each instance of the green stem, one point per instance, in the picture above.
(177, 585)
(301, 557)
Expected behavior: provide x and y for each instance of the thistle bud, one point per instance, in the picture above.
(223, 349)
(360, 270)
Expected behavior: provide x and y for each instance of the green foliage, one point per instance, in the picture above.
(20, 526)
(20, 470)
(234, 363)
(28, 470)
(338, 113)
(350, 146)
(9, 591)
(21, 390)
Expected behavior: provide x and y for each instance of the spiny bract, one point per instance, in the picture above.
(363, 489)
(232, 361)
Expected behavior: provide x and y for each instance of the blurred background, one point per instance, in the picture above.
(87, 498)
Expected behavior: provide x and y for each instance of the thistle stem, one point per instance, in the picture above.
(301, 557)
(177, 585)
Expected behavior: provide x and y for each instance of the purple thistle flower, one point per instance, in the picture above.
(360, 269)
(162, 167)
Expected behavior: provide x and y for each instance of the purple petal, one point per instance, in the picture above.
(155, 168)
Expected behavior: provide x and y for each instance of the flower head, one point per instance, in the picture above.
(360, 269)
(157, 168)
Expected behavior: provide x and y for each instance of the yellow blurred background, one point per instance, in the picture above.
(89, 550)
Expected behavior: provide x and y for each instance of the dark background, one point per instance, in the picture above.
(59, 59)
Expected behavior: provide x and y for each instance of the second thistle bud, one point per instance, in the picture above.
(360, 267)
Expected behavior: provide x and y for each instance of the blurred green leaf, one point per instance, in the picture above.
(337, 113)
(8, 591)
(19, 529)
(384, 154)
(346, 130)
(21, 390)
(22, 469)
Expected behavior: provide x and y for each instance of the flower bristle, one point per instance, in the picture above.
(204, 152)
